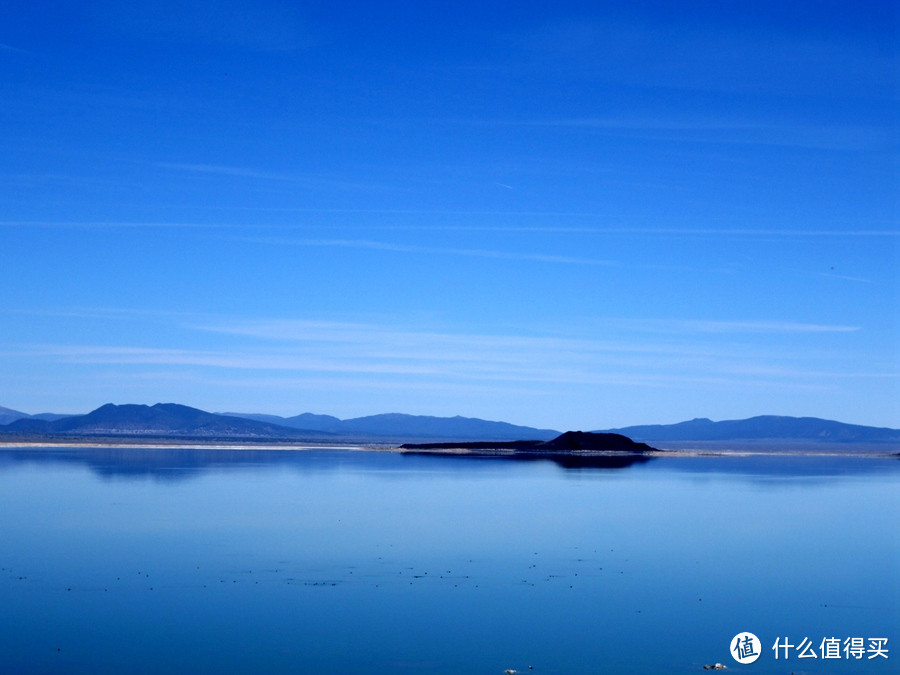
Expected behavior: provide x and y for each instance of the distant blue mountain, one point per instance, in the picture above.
(179, 421)
(765, 427)
(160, 420)
(398, 426)
(304, 421)
(8, 415)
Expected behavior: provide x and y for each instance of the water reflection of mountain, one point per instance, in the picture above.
(173, 464)
(178, 464)
(782, 466)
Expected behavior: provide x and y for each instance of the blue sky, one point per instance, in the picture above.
(583, 215)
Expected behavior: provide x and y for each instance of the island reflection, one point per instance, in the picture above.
(178, 464)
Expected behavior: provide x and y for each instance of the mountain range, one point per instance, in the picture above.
(171, 420)
(8, 415)
(179, 421)
(160, 420)
(398, 426)
(762, 428)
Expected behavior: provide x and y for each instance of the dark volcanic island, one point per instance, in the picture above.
(571, 449)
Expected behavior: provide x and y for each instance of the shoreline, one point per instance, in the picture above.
(196, 445)
(736, 450)
(697, 452)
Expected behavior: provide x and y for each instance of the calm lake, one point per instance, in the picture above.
(342, 561)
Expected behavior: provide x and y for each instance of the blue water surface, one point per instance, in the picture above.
(341, 561)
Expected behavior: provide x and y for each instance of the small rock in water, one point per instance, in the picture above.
(715, 666)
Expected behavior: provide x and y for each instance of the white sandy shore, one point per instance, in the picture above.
(683, 449)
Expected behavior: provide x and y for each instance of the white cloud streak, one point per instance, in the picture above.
(712, 232)
(707, 326)
(511, 366)
(307, 180)
(430, 250)
(729, 131)
(347, 349)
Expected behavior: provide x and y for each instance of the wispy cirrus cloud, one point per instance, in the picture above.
(245, 359)
(727, 130)
(433, 250)
(314, 181)
(224, 170)
(729, 326)
(556, 227)
(115, 224)
(844, 277)
(413, 367)
(623, 342)
(439, 361)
